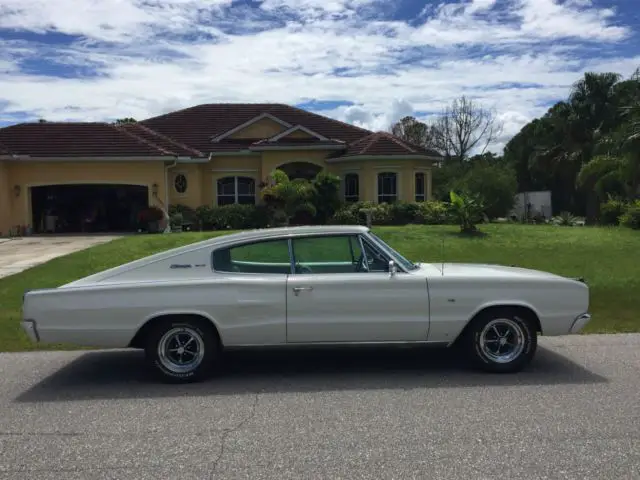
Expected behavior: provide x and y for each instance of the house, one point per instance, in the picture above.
(86, 176)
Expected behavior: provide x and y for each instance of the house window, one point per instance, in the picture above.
(351, 187)
(180, 183)
(236, 190)
(420, 187)
(387, 187)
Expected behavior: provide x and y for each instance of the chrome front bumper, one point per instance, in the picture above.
(31, 329)
(580, 322)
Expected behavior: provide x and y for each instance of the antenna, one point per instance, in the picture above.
(442, 256)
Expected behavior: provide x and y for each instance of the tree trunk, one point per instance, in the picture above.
(592, 208)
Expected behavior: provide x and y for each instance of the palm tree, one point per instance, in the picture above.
(616, 161)
(593, 104)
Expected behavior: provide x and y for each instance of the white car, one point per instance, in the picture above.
(296, 286)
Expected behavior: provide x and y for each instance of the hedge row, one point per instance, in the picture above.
(239, 217)
(398, 213)
(234, 217)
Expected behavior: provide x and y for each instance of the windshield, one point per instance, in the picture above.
(406, 264)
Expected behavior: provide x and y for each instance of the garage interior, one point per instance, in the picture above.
(87, 208)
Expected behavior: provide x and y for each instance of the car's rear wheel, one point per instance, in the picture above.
(501, 341)
(181, 350)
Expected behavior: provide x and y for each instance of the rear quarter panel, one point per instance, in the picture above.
(243, 310)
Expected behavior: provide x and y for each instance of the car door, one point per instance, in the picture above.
(333, 297)
(252, 304)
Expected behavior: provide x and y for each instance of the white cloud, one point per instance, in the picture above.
(150, 57)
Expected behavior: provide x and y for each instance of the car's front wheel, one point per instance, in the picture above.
(501, 341)
(181, 350)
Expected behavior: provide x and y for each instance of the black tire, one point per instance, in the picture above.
(485, 349)
(199, 343)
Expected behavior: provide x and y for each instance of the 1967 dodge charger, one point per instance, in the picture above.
(305, 286)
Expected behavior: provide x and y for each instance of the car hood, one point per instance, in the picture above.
(490, 271)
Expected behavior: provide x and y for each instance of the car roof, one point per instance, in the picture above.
(222, 241)
(276, 232)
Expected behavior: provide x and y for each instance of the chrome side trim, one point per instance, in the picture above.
(294, 345)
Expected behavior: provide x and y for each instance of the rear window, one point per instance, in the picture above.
(266, 257)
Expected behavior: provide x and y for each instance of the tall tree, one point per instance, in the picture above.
(416, 132)
(583, 148)
(410, 130)
(122, 121)
(465, 126)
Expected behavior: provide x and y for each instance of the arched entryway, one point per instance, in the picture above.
(305, 170)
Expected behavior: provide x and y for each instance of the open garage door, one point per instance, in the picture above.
(87, 208)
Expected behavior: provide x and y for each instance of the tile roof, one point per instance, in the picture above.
(4, 150)
(383, 143)
(195, 126)
(189, 132)
(162, 141)
(49, 139)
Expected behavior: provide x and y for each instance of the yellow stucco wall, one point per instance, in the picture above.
(298, 134)
(263, 128)
(368, 171)
(192, 197)
(274, 158)
(5, 200)
(228, 166)
(31, 174)
(202, 178)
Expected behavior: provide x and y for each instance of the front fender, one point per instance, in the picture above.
(499, 304)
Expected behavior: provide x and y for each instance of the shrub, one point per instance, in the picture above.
(205, 217)
(188, 213)
(631, 217)
(351, 214)
(326, 196)
(233, 217)
(285, 198)
(467, 209)
(176, 220)
(495, 183)
(611, 211)
(565, 219)
(345, 216)
(150, 214)
(398, 213)
(433, 213)
(403, 213)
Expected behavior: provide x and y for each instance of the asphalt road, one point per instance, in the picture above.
(376, 414)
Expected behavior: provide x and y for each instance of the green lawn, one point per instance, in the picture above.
(607, 258)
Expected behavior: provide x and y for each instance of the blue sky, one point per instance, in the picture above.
(368, 62)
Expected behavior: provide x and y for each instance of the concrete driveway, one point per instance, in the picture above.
(376, 414)
(18, 254)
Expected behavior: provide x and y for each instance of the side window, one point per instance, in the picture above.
(328, 254)
(266, 257)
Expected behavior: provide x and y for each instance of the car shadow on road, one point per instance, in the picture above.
(121, 374)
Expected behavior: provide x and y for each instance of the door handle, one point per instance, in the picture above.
(297, 290)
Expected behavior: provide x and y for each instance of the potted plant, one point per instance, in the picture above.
(151, 217)
(176, 221)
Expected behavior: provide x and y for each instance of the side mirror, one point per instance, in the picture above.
(393, 268)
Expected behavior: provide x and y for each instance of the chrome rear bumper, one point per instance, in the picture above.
(580, 322)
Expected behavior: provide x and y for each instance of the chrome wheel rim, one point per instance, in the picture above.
(181, 350)
(502, 340)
